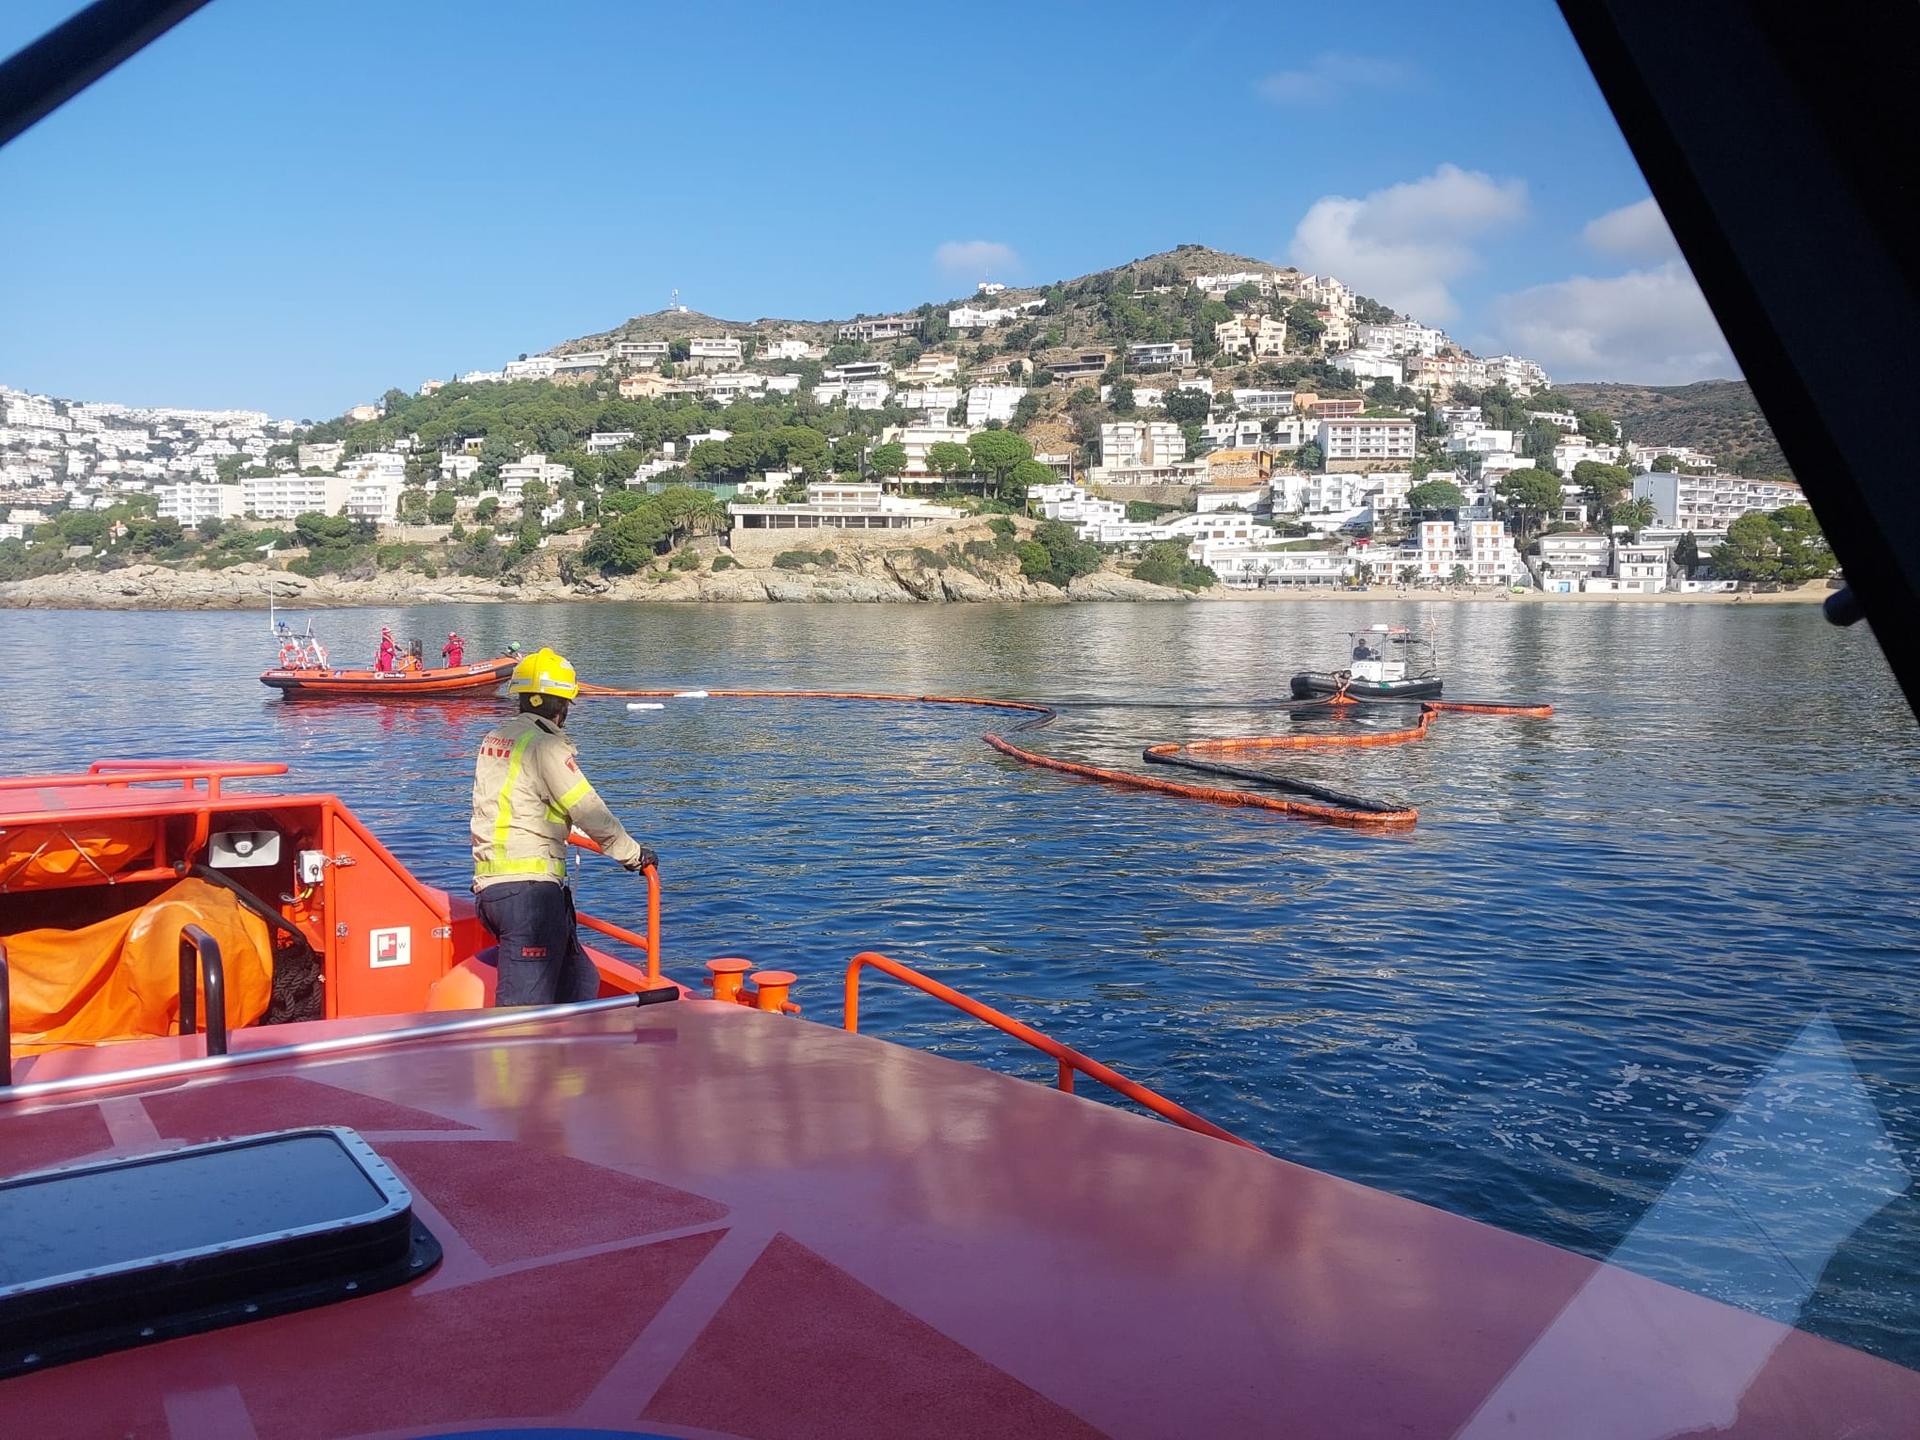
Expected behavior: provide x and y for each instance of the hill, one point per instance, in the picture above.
(1718, 416)
(1076, 320)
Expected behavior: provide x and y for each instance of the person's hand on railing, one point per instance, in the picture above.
(643, 861)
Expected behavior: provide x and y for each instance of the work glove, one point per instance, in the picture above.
(642, 860)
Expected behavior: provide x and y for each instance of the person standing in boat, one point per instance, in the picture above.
(455, 651)
(383, 662)
(528, 793)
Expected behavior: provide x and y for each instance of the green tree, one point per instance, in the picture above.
(209, 529)
(1188, 407)
(630, 541)
(679, 350)
(1023, 477)
(319, 532)
(413, 505)
(1435, 495)
(997, 451)
(488, 507)
(1686, 554)
(1636, 514)
(1749, 552)
(1165, 562)
(1603, 485)
(888, 459)
(1530, 496)
(441, 507)
(1665, 464)
(1308, 457)
(1803, 549)
(1121, 397)
(944, 457)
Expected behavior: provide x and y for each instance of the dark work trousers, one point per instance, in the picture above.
(540, 958)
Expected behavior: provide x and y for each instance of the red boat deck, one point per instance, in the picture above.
(698, 1220)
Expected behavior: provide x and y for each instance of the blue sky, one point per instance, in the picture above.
(293, 207)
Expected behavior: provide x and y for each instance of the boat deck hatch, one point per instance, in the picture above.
(122, 1252)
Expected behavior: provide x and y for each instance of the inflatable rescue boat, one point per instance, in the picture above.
(329, 684)
(1370, 675)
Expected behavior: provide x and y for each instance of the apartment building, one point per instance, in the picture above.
(1141, 444)
(284, 496)
(707, 352)
(320, 457)
(515, 476)
(1710, 502)
(640, 352)
(534, 367)
(1359, 439)
(1400, 337)
(992, 402)
(1159, 354)
(193, 501)
(929, 369)
(881, 327)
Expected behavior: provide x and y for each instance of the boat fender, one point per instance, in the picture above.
(643, 706)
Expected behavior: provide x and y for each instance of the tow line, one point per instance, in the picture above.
(1316, 802)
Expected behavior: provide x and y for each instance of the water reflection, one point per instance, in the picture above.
(1536, 1008)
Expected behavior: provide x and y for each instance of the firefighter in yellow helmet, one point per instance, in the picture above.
(528, 792)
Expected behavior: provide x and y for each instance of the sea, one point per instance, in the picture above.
(1640, 983)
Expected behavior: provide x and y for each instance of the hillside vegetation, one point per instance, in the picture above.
(1718, 416)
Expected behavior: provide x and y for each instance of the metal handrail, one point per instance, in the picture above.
(200, 952)
(649, 943)
(6, 1021)
(307, 1049)
(121, 773)
(1068, 1059)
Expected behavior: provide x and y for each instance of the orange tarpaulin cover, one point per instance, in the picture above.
(83, 850)
(119, 979)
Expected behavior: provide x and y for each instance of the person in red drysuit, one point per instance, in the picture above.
(384, 661)
(455, 650)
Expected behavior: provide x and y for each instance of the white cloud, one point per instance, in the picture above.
(1403, 244)
(976, 259)
(1636, 233)
(1332, 75)
(1651, 326)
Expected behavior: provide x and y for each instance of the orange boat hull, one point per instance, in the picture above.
(390, 685)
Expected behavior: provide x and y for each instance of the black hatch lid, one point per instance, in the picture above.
(114, 1253)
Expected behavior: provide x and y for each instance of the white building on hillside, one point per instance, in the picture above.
(514, 477)
(1159, 354)
(1141, 444)
(1711, 502)
(285, 496)
(992, 402)
(193, 501)
(534, 367)
(1400, 337)
(1361, 438)
(843, 505)
(714, 353)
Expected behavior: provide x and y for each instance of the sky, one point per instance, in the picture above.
(295, 207)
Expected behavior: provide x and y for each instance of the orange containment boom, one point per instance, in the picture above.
(1318, 802)
(1066, 1057)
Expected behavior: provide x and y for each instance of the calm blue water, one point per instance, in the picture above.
(1640, 983)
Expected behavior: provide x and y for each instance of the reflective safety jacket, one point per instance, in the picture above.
(527, 793)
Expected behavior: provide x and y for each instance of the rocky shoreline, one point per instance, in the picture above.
(879, 580)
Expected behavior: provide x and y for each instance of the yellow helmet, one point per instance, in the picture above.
(544, 672)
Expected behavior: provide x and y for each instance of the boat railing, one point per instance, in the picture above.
(1069, 1060)
(647, 944)
(200, 961)
(6, 1020)
(190, 775)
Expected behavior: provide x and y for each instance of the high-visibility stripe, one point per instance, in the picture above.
(503, 815)
(540, 865)
(574, 796)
